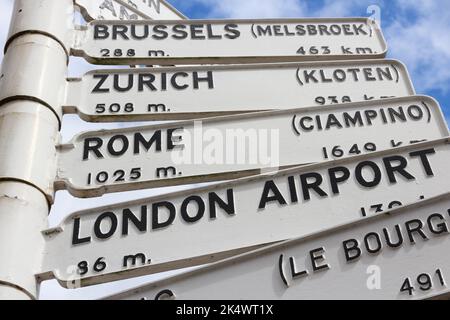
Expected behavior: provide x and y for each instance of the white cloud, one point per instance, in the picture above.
(423, 44)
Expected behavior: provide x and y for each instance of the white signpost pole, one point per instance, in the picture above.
(31, 86)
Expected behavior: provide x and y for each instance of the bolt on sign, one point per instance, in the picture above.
(143, 237)
(228, 41)
(401, 255)
(205, 91)
(229, 147)
(128, 10)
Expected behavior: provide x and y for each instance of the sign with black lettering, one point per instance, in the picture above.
(128, 10)
(229, 41)
(401, 255)
(203, 91)
(229, 147)
(202, 225)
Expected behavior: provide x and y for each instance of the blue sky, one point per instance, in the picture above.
(417, 33)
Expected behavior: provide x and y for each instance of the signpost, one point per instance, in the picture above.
(370, 157)
(229, 147)
(399, 256)
(177, 93)
(228, 41)
(154, 9)
(128, 10)
(199, 225)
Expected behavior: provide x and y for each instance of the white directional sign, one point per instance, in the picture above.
(229, 147)
(402, 255)
(228, 41)
(200, 91)
(199, 225)
(128, 10)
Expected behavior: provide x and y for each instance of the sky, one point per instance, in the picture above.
(417, 32)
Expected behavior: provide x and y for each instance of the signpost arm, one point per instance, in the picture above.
(32, 86)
